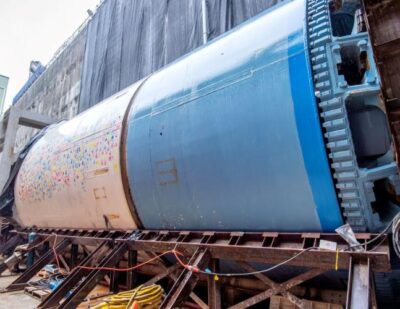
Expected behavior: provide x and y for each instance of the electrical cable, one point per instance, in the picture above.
(129, 268)
(395, 225)
(29, 248)
(379, 243)
(376, 237)
(208, 272)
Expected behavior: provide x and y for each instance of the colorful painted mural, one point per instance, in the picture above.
(65, 162)
(72, 175)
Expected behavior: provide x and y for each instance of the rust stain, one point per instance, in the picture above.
(101, 171)
(97, 172)
(112, 216)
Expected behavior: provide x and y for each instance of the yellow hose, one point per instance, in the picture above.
(146, 297)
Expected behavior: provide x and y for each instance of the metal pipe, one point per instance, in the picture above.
(31, 254)
(204, 19)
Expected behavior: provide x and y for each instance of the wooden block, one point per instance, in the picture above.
(36, 292)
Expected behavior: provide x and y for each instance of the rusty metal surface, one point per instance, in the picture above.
(278, 288)
(214, 287)
(358, 292)
(87, 237)
(205, 249)
(241, 246)
(74, 277)
(383, 24)
(273, 285)
(93, 277)
(186, 281)
(249, 285)
(131, 276)
(170, 271)
(264, 248)
(22, 281)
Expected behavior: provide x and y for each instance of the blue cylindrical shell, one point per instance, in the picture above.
(229, 137)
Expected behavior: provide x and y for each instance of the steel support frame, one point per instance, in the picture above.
(361, 287)
(131, 276)
(169, 271)
(214, 287)
(78, 294)
(205, 250)
(76, 275)
(21, 282)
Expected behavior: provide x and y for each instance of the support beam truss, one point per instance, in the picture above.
(204, 250)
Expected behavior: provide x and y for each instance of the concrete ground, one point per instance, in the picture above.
(15, 300)
(18, 300)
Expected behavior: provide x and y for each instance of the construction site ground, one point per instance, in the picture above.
(15, 300)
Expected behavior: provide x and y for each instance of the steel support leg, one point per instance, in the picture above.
(94, 276)
(186, 281)
(114, 277)
(53, 300)
(31, 255)
(21, 281)
(358, 292)
(74, 255)
(214, 289)
(374, 301)
(131, 275)
(168, 271)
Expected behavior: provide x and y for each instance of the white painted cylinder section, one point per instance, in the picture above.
(71, 178)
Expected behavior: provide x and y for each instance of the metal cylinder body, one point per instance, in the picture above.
(226, 138)
(71, 177)
(229, 137)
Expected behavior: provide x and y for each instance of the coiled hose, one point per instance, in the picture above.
(143, 297)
